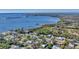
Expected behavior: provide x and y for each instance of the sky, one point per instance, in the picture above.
(39, 10)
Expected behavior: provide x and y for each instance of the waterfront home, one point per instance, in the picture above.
(71, 46)
(60, 38)
(15, 47)
(49, 35)
(56, 47)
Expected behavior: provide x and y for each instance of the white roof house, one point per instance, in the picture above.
(61, 38)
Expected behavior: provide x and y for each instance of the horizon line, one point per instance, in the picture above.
(39, 10)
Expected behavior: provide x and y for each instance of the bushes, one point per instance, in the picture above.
(44, 31)
(62, 46)
(29, 37)
(4, 46)
(65, 34)
(65, 43)
(50, 46)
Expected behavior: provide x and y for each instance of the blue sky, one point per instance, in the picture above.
(39, 10)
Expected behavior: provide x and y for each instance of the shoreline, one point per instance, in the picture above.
(40, 26)
(48, 36)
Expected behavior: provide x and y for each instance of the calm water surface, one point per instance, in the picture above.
(15, 20)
